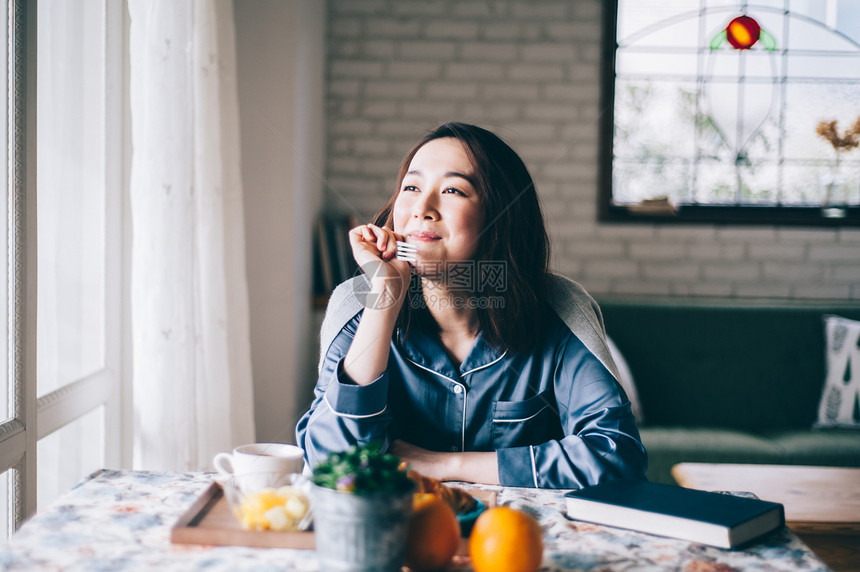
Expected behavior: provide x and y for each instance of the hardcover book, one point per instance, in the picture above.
(716, 519)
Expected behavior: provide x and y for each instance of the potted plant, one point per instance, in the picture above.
(362, 504)
(841, 144)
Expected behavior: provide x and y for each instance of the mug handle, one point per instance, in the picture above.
(222, 461)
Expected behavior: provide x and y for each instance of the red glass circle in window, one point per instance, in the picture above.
(743, 32)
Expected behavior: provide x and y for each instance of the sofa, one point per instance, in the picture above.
(729, 381)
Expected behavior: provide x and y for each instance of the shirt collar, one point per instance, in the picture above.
(426, 350)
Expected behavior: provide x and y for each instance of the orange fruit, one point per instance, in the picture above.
(505, 539)
(433, 535)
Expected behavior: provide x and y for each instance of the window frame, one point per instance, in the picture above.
(684, 214)
(33, 417)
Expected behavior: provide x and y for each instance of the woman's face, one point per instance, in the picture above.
(437, 207)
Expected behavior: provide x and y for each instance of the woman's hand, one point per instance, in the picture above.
(374, 249)
(473, 467)
(371, 243)
(428, 463)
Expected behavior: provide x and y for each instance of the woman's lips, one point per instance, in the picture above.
(424, 236)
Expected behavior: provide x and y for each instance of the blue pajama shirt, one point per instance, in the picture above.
(554, 415)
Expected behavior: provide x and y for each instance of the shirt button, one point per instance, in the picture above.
(454, 449)
(458, 389)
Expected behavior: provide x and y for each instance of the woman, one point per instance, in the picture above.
(473, 362)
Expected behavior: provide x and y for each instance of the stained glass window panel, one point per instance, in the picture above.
(720, 103)
(637, 180)
(834, 99)
(642, 129)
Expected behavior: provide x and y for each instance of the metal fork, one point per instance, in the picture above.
(406, 252)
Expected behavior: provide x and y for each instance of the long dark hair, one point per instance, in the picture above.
(514, 238)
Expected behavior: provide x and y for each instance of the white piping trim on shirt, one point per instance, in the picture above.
(349, 416)
(431, 371)
(485, 365)
(465, 398)
(463, 430)
(534, 465)
(532, 416)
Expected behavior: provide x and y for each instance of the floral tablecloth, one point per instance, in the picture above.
(121, 520)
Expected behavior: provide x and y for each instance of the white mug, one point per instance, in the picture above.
(260, 458)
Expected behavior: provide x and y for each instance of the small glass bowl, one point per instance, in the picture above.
(270, 501)
(467, 520)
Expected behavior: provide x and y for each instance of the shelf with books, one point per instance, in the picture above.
(332, 255)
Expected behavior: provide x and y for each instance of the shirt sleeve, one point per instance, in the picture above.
(601, 440)
(343, 413)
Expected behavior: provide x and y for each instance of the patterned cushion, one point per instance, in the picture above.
(839, 406)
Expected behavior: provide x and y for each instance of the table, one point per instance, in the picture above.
(822, 504)
(121, 520)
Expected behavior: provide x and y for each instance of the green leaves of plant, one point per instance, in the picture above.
(362, 470)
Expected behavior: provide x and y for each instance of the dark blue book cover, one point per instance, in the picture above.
(716, 519)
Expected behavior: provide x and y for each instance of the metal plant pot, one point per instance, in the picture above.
(360, 533)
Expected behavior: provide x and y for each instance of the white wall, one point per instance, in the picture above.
(281, 60)
(530, 71)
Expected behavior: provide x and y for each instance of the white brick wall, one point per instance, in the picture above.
(529, 71)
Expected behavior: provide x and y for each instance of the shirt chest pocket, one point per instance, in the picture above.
(529, 422)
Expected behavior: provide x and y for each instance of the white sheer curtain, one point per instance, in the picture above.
(192, 366)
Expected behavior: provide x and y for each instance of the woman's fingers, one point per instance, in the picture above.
(383, 238)
(364, 234)
(385, 241)
(359, 234)
(379, 241)
(380, 236)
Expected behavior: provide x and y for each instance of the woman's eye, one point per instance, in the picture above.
(410, 188)
(454, 191)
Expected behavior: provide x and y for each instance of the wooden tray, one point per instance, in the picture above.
(210, 521)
